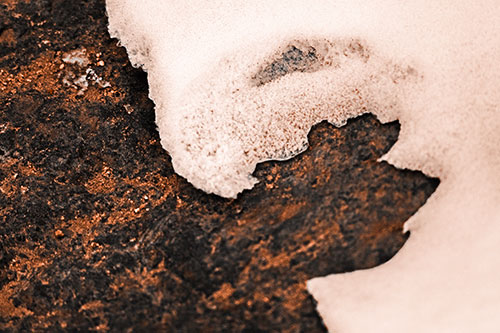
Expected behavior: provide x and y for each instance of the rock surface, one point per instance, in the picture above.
(98, 233)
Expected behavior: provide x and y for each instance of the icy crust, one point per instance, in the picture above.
(254, 107)
(220, 114)
(221, 131)
(236, 82)
(124, 26)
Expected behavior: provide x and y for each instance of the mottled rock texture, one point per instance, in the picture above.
(98, 233)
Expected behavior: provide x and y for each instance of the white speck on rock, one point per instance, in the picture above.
(76, 57)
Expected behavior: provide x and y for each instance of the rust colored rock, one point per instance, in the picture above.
(135, 245)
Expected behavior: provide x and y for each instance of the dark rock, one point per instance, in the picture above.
(140, 247)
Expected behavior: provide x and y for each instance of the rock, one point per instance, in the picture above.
(135, 246)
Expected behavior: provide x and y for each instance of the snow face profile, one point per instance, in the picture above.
(237, 82)
(248, 110)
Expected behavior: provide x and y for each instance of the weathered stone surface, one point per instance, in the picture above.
(98, 232)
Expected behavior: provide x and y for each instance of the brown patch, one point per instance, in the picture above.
(224, 293)
(290, 211)
(102, 182)
(7, 308)
(11, 4)
(8, 37)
